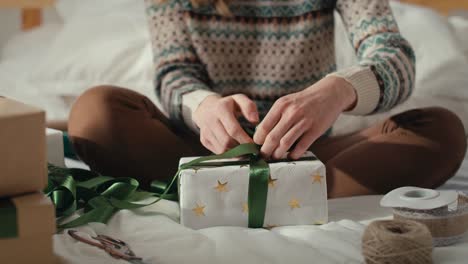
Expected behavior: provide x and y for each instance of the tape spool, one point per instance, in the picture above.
(448, 222)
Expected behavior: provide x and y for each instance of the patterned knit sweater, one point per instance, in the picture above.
(270, 48)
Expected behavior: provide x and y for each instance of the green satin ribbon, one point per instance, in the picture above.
(68, 150)
(101, 196)
(258, 190)
(8, 219)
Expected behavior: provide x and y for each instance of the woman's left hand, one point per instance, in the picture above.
(303, 117)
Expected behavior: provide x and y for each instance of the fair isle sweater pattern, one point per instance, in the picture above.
(270, 48)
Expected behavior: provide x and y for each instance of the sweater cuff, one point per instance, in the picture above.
(190, 103)
(367, 88)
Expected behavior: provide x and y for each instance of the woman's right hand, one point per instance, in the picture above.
(217, 119)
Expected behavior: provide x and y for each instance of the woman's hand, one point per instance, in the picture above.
(217, 119)
(303, 117)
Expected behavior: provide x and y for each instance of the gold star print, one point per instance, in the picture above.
(317, 178)
(271, 182)
(199, 210)
(245, 208)
(221, 187)
(196, 169)
(294, 203)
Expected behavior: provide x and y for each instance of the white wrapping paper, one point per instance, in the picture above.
(55, 151)
(297, 195)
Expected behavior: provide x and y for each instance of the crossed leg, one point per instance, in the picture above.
(121, 133)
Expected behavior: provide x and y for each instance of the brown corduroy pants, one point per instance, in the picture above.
(121, 133)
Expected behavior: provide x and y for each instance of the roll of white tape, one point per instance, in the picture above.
(445, 213)
(418, 198)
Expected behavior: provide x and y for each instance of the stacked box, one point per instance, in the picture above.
(22, 148)
(27, 226)
(27, 216)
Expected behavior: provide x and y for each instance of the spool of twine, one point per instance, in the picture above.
(397, 242)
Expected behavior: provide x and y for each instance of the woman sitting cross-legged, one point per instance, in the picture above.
(223, 66)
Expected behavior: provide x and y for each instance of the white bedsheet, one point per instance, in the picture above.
(154, 233)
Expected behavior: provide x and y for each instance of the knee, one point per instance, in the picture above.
(446, 128)
(446, 132)
(96, 122)
(92, 111)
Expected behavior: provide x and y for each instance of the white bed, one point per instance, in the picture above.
(109, 43)
(156, 235)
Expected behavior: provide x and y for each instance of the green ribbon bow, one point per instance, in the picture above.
(101, 196)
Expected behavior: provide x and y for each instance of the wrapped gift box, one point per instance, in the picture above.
(22, 148)
(27, 226)
(55, 150)
(218, 196)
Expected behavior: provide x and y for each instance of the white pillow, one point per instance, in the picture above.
(459, 25)
(30, 44)
(71, 9)
(111, 48)
(441, 66)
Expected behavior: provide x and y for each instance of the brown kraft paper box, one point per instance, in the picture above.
(22, 148)
(35, 216)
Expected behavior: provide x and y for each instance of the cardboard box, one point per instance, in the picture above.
(34, 249)
(31, 238)
(218, 196)
(23, 165)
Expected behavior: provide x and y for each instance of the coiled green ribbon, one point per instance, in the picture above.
(101, 196)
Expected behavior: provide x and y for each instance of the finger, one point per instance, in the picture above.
(268, 123)
(274, 137)
(206, 141)
(217, 148)
(304, 144)
(224, 140)
(289, 139)
(247, 107)
(232, 126)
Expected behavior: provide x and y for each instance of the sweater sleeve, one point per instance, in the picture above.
(386, 71)
(181, 80)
